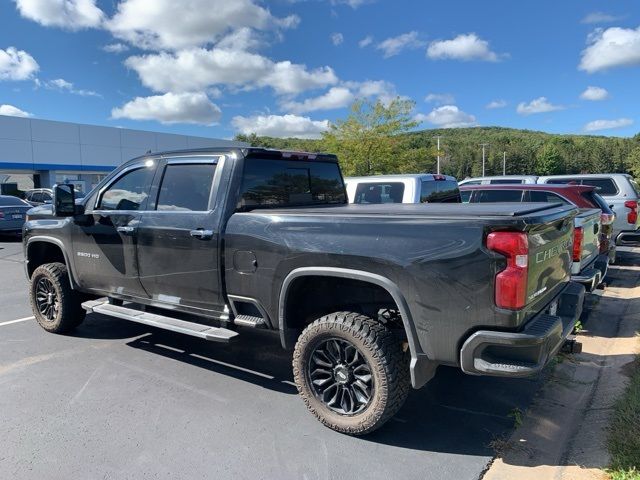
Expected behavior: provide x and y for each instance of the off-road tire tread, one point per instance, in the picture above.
(71, 312)
(385, 346)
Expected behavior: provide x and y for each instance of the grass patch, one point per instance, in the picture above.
(624, 436)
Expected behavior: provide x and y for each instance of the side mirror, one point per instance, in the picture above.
(64, 200)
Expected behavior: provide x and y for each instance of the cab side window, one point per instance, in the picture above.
(186, 187)
(129, 192)
(547, 197)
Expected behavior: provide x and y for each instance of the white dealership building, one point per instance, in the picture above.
(39, 153)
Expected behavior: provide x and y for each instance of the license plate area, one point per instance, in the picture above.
(553, 308)
(16, 216)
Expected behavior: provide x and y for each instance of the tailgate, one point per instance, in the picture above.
(589, 220)
(549, 257)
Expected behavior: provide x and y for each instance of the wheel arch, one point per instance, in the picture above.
(422, 369)
(41, 249)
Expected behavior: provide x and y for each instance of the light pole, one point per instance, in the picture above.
(483, 145)
(504, 163)
(438, 137)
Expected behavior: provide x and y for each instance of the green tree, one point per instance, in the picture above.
(368, 141)
(633, 161)
(549, 161)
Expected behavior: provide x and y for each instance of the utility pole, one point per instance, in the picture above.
(438, 137)
(483, 145)
(504, 163)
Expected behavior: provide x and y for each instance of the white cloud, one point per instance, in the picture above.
(447, 116)
(336, 97)
(613, 47)
(594, 94)
(496, 104)
(172, 25)
(440, 98)
(201, 68)
(394, 45)
(171, 108)
(366, 41)
(600, 17)
(464, 47)
(69, 14)
(61, 85)
(380, 89)
(280, 126)
(337, 38)
(597, 125)
(538, 105)
(16, 64)
(243, 39)
(12, 111)
(115, 48)
(352, 3)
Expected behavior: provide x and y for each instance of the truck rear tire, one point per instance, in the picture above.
(351, 372)
(56, 306)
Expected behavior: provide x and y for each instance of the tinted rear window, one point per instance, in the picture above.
(379, 192)
(440, 191)
(465, 195)
(276, 183)
(490, 196)
(7, 200)
(607, 186)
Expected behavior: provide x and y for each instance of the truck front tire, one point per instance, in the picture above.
(351, 372)
(56, 306)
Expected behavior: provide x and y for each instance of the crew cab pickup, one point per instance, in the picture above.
(371, 298)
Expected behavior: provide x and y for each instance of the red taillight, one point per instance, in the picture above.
(1, 215)
(632, 216)
(511, 283)
(607, 218)
(578, 239)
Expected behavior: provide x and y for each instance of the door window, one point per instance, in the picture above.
(439, 191)
(490, 196)
(606, 185)
(36, 197)
(129, 192)
(547, 197)
(186, 187)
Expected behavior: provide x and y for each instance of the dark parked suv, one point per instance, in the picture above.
(371, 298)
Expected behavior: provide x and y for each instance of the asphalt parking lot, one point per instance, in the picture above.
(121, 400)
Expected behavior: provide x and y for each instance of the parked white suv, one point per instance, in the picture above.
(410, 188)
(500, 180)
(621, 192)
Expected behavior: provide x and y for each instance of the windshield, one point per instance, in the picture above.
(278, 183)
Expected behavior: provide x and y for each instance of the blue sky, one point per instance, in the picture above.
(288, 68)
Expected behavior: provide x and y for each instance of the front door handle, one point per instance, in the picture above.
(202, 234)
(126, 230)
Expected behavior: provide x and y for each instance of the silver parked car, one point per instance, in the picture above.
(403, 188)
(499, 180)
(39, 196)
(12, 214)
(622, 194)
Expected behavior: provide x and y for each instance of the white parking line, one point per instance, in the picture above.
(25, 319)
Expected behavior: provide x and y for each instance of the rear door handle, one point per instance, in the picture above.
(202, 234)
(126, 230)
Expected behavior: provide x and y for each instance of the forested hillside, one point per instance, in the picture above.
(378, 139)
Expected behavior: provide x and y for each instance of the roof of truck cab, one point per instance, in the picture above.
(251, 152)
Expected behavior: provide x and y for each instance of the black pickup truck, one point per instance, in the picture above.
(371, 298)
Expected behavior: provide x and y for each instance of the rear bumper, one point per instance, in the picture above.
(629, 238)
(594, 274)
(523, 353)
